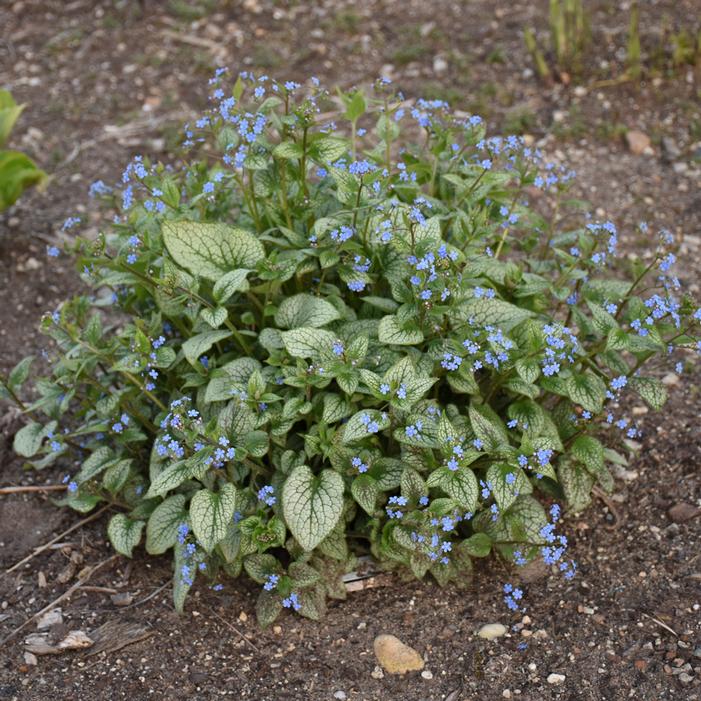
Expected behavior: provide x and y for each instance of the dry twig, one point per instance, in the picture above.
(33, 488)
(237, 631)
(66, 594)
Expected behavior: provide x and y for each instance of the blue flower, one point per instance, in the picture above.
(183, 531)
(271, 581)
(356, 285)
(619, 382)
(342, 234)
(359, 464)
(127, 197)
(266, 495)
(99, 188)
(361, 167)
(450, 361)
(292, 601)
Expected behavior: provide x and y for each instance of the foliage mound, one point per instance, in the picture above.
(313, 340)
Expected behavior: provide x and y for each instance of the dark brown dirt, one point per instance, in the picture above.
(628, 627)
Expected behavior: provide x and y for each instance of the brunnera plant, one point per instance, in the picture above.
(310, 341)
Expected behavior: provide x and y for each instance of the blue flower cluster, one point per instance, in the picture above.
(371, 425)
(271, 581)
(267, 495)
(359, 465)
(193, 556)
(512, 596)
(560, 345)
(292, 602)
(395, 501)
(553, 553)
(433, 274)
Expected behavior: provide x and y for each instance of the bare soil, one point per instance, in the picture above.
(106, 80)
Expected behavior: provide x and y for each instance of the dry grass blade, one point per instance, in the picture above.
(661, 624)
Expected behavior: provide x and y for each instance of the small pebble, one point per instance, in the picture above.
(396, 657)
(683, 511)
(556, 678)
(670, 379)
(377, 673)
(427, 674)
(340, 695)
(490, 631)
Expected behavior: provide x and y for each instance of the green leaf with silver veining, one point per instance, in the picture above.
(312, 504)
(162, 526)
(124, 533)
(211, 513)
(305, 310)
(210, 249)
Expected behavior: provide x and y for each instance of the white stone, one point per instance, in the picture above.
(440, 65)
(377, 673)
(490, 631)
(556, 678)
(51, 618)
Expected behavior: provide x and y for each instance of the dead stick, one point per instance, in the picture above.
(99, 590)
(39, 488)
(148, 598)
(61, 598)
(237, 631)
(46, 546)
